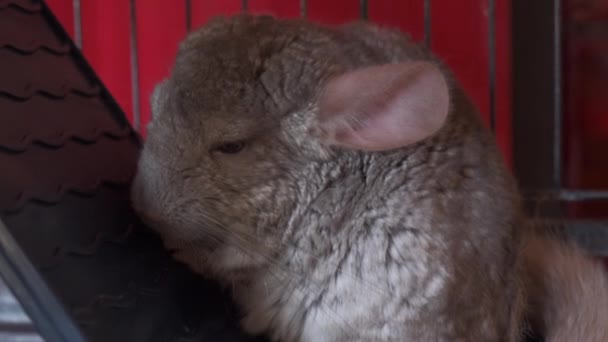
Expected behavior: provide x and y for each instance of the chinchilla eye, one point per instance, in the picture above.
(231, 147)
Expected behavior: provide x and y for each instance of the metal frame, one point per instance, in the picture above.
(536, 94)
(427, 23)
(188, 6)
(492, 61)
(538, 121)
(37, 300)
(135, 64)
(77, 23)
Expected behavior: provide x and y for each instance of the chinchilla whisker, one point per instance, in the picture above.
(343, 179)
(249, 242)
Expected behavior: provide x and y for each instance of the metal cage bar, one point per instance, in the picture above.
(77, 23)
(534, 82)
(492, 61)
(589, 234)
(427, 23)
(557, 94)
(363, 10)
(188, 6)
(303, 8)
(538, 122)
(538, 98)
(134, 66)
(571, 195)
(45, 311)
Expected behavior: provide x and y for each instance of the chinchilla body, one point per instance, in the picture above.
(338, 180)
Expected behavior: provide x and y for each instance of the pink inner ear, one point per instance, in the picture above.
(384, 107)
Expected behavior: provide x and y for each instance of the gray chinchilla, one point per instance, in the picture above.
(342, 184)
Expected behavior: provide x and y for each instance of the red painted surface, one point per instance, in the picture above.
(203, 10)
(64, 11)
(161, 24)
(283, 8)
(459, 36)
(463, 44)
(106, 45)
(333, 12)
(406, 15)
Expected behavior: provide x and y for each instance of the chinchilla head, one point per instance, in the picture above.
(263, 124)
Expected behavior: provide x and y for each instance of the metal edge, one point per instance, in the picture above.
(492, 61)
(303, 8)
(188, 5)
(533, 89)
(569, 195)
(427, 23)
(134, 54)
(77, 23)
(44, 310)
(363, 10)
(588, 234)
(557, 93)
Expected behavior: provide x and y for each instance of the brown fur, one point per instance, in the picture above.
(303, 231)
(568, 291)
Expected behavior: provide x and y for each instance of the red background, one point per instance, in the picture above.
(459, 36)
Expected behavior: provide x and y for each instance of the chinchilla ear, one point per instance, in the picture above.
(383, 107)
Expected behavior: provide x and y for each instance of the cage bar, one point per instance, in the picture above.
(557, 94)
(303, 8)
(134, 66)
(33, 294)
(427, 23)
(492, 61)
(583, 195)
(363, 9)
(591, 235)
(188, 5)
(533, 88)
(77, 23)
(245, 6)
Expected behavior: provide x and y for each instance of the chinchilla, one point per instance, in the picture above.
(341, 183)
